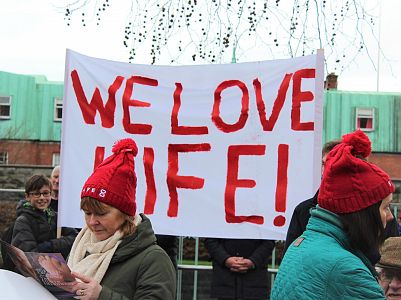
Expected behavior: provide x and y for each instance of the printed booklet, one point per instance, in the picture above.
(49, 269)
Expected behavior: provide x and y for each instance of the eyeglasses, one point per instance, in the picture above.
(38, 194)
(388, 275)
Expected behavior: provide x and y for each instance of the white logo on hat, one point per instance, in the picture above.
(102, 193)
(92, 190)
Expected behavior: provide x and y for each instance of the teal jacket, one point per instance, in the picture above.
(320, 264)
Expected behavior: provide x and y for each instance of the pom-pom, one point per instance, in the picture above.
(125, 145)
(361, 145)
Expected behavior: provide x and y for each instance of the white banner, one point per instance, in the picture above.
(224, 150)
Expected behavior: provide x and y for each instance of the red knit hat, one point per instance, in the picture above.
(114, 181)
(349, 183)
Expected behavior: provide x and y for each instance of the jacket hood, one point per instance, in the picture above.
(20, 205)
(135, 243)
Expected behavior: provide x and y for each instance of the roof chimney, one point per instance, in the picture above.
(331, 82)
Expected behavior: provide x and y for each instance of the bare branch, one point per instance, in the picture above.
(212, 31)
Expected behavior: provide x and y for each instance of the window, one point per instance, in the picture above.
(56, 159)
(365, 118)
(58, 109)
(3, 158)
(5, 105)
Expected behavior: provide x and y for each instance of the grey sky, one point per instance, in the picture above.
(34, 37)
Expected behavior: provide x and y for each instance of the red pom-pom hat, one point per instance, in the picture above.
(114, 181)
(349, 182)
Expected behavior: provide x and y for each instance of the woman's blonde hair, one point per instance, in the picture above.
(93, 205)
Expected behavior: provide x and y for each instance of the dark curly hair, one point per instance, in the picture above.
(36, 182)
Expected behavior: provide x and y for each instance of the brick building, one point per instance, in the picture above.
(378, 115)
(30, 120)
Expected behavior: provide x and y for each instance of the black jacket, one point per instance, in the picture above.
(36, 231)
(54, 205)
(249, 285)
(301, 215)
(299, 220)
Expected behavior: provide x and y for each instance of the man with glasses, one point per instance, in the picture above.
(389, 268)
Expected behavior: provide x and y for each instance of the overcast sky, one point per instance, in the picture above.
(34, 37)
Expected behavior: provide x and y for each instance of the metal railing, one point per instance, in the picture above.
(197, 268)
(13, 190)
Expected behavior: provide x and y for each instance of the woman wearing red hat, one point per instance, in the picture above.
(330, 259)
(115, 255)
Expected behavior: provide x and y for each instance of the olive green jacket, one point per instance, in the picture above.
(139, 269)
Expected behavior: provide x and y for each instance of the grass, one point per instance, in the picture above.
(192, 262)
(209, 263)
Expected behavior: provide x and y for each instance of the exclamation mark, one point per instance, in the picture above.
(281, 188)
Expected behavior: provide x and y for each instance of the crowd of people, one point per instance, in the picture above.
(341, 244)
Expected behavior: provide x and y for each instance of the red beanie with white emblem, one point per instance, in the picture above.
(113, 182)
(349, 182)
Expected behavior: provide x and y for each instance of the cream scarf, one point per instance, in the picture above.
(91, 257)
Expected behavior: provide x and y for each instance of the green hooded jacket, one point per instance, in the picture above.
(139, 269)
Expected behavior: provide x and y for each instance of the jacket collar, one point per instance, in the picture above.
(131, 245)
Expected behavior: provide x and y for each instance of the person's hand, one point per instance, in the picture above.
(245, 265)
(88, 289)
(233, 263)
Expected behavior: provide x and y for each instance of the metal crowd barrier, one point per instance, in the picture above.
(196, 268)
